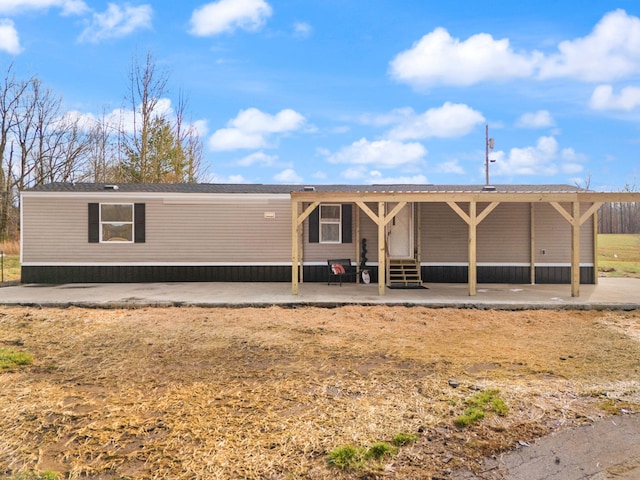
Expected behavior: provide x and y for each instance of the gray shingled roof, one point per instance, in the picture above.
(285, 189)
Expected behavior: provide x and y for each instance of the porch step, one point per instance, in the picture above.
(404, 272)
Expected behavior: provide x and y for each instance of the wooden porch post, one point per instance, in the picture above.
(532, 243)
(472, 269)
(294, 247)
(382, 266)
(595, 247)
(575, 251)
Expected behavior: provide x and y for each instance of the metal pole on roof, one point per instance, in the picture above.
(489, 143)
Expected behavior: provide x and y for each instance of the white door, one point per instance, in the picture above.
(400, 232)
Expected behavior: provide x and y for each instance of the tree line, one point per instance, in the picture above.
(147, 141)
(616, 217)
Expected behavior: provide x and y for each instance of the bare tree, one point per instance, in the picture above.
(161, 147)
(11, 92)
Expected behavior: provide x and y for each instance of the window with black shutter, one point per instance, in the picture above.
(117, 223)
(331, 223)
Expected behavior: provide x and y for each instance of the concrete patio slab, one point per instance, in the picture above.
(610, 293)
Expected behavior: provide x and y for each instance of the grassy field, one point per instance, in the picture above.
(274, 393)
(11, 261)
(619, 255)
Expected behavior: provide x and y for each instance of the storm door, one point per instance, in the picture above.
(400, 232)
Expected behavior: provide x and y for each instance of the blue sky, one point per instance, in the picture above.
(359, 92)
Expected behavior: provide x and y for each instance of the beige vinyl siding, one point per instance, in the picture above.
(553, 235)
(504, 235)
(228, 231)
(444, 234)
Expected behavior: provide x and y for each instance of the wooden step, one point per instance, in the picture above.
(404, 272)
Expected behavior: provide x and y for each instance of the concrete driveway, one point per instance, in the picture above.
(610, 293)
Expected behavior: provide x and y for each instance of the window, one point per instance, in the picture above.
(116, 222)
(330, 223)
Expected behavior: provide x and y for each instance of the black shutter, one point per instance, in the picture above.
(346, 223)
(314, 226)
(94, 223)
(139, 222)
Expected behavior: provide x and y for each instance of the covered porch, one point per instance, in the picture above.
(471, 204)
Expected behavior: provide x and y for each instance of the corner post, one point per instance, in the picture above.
(382, 267)
(294, 247)
(575, 250)
(472, 270)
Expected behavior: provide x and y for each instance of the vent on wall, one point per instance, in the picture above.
(309, 189)
(111, 187)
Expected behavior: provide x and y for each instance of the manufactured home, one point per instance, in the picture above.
(399, 234)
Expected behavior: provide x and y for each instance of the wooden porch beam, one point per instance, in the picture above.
(560, 209)
(303, 216)
(461, 213)
(363, 206)
(590, 211)
(393, 212)
(485, 213)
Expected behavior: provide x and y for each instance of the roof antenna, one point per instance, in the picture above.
(489, 144)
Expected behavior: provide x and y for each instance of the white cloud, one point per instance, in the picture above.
(361, 174)
(9, 40)
(381, 153)
(288, 176)
(252, 129)
(228, 15)
(234, 139)
(438, 58)
(413, 179)
(253, 120)
(302, 29)
(611, 51)
(572, 168)
(228, 179)
(117, 22)
(68, 7)
(452, 166)
(539, 119)
(258, 158)
(545, 158)
(450, 120)
(603, 98)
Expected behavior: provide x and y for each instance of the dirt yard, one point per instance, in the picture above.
(188, 393)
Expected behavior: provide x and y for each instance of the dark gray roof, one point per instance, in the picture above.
(240, 188)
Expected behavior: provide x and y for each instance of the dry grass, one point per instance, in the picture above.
(10, 247)
(267, 393)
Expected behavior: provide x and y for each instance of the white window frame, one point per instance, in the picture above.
(132, 223)
(330, 221)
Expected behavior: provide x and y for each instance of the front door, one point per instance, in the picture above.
(400, 232)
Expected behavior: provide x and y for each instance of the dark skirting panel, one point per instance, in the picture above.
(505, 274)
(563, 275)
(133, 274)
(282, 273)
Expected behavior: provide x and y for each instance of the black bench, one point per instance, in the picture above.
(340, 268)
